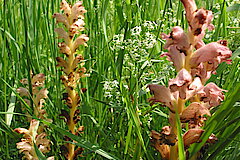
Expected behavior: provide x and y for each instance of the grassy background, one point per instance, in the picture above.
(119, 123)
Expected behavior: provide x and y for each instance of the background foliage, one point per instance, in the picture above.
(122, 57)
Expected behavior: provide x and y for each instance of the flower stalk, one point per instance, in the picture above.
(73, 20)
(194, 61)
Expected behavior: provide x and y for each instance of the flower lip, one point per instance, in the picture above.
(210, 52)
(161, 94)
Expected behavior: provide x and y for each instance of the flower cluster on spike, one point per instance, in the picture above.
(73, 20)
(35, 134)
(194, 61)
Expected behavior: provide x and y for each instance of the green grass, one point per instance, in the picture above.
(117, 126)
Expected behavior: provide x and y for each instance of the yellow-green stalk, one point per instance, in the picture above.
(73, 20)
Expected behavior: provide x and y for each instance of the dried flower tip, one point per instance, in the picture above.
(65, 114)
(84, 90)
(80, 129)
(21, 131)
(40, 78)
(64, 150)
(24, 81)
(162, 148)
(77, 112)
(78, 152)
(76, 119)
(66, 138)
(165, 137)
(212, 139)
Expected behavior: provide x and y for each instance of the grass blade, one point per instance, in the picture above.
(81, 142)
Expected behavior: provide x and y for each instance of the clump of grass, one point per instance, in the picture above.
(73, 20)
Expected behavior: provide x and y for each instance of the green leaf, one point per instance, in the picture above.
(81, 142)
(4, 127)
(13, 90)
(11, 109)
(235, 7)
(181, 151)
(224, 143)
(39, 153)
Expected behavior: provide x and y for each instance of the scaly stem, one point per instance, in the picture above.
(72, 94)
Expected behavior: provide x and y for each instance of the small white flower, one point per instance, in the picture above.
(136, 30)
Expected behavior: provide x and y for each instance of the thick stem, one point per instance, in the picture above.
(71, 124)
(73, 95)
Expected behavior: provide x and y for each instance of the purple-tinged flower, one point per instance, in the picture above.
(178, 38)
(199, 20)
(180, 83)
(193, 112)
(177, 57)
(211, 94)
(192, 136)
(161, 94)
(190, 8)
(194, 87)
(60, 18)
(212, 53)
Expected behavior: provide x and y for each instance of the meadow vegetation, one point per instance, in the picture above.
(122, 58)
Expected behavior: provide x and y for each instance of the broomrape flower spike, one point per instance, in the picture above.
(35, 134)
(194, 61)
(72, 66)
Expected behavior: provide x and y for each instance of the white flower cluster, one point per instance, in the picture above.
(117, 42)
(111, 89)
(136, 31)
(140, 41)
(150, 25)
(112, 93)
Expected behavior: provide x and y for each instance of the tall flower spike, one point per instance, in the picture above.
(194, 61)
(35, 133)
(72, 65)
